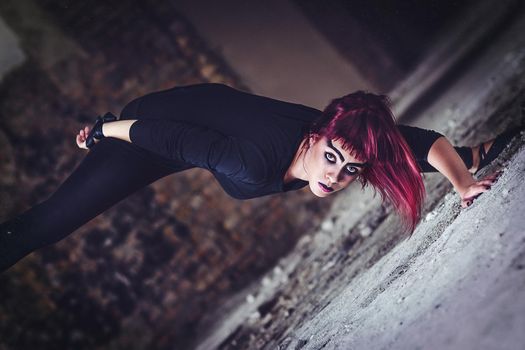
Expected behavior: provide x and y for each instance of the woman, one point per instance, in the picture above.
(254, 146)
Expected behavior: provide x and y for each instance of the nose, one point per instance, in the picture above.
(331, 179)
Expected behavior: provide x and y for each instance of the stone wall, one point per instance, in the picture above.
(142, 274)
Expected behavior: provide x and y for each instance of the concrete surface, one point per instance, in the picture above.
(463, 290)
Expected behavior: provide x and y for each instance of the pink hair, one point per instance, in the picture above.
(365, 125)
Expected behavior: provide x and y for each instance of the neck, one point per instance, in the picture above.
(296, 168)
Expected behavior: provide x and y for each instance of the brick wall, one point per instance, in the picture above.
(142, 274)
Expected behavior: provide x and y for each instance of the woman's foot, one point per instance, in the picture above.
(475, 155)
(486, 152)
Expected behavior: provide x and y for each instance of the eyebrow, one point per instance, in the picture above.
(329, 143)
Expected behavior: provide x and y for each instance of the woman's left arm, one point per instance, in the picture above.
(446, 160)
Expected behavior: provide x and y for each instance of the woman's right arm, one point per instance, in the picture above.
(196, 145)
(118, 129)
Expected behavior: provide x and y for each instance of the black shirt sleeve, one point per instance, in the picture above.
(203, 147)
(235, 157)
(419, 140)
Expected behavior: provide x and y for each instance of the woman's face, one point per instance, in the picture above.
(329, 167)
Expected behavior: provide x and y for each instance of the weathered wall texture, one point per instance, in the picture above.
(143, 273)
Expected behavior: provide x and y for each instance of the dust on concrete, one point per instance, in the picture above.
(464, 290)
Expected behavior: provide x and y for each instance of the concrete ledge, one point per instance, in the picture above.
(452, 286)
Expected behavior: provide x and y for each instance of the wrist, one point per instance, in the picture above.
(96, 132)
(107, 118)
(118, 129)
(463, 186)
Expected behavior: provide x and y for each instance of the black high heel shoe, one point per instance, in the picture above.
(96, 131)
(499, 144)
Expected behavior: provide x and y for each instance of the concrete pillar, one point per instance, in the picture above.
(274, 49)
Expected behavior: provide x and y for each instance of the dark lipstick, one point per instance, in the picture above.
(325, 188)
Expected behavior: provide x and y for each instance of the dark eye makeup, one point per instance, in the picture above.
(330, 157)
(350, 169)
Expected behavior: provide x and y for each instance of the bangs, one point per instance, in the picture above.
(355, 151)
(365, 126)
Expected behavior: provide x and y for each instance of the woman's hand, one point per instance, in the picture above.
(475, 189)
(82, 136)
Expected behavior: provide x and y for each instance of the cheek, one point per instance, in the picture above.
(315, 164)
(347, 182)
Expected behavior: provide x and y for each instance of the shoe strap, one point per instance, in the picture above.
(482, 153)
(109, 117)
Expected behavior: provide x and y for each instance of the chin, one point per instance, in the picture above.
(318, 192)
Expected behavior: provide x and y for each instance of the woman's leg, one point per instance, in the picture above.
(111, 171)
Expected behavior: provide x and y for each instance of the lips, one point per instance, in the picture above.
(325, 188)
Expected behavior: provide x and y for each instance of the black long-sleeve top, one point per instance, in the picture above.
(246, 141)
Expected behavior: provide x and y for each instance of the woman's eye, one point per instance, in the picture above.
(352, 170)
(330, 157)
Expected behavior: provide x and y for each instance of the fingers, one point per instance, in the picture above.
(466, 203)
(485, 183)
(83, 133)
(482, 185)
(493, 176)
(475, 191)
(478, 188)
(81, 137)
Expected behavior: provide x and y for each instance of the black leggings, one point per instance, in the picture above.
(112, 170)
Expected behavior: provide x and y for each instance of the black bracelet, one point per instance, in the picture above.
(96, 131)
